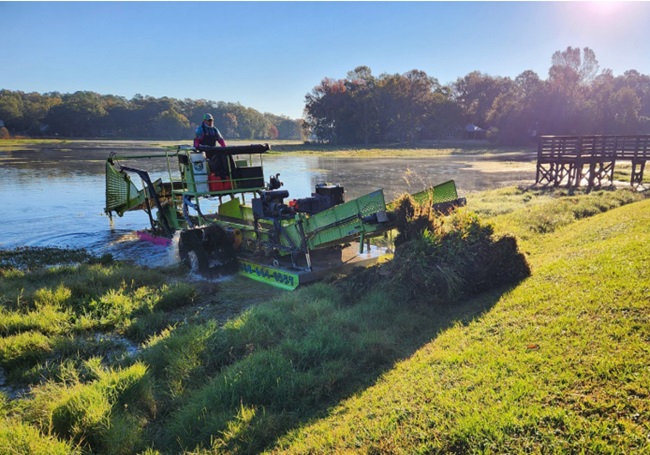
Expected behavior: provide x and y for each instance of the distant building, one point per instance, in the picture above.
(474, 132)
(4, 133)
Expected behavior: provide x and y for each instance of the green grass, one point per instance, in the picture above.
(105, 410)
(17, 437)
(623, 172)
(555, 363)
(51, 312)
(527, 212)
(558, 365)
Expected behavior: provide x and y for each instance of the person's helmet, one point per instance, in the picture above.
(208, 117)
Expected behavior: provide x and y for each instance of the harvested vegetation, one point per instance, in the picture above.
(103, 357)
(440, 259)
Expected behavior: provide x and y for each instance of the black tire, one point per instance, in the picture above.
(192, 251)
(208, 251)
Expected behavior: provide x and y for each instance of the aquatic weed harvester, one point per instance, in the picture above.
(255, 229)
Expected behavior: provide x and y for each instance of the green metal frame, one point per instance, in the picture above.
(301, 233)
(276, 277)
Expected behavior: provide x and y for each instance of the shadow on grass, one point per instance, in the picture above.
(284, 364)
(241, 386)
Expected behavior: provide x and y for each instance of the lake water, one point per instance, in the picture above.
(53, 195)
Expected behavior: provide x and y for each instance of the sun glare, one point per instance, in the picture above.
(605, 8)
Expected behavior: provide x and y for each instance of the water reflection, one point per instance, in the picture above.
(53, 195)
(395, 176)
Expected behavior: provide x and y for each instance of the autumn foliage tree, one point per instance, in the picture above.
(576, 98)
(364, 109)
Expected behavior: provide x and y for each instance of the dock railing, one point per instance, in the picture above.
(574, 161)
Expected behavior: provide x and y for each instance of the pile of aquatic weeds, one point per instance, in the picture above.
(26, 258)
(440, 258)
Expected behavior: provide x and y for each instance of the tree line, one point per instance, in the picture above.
(88, 114)
(405, 108)
(575, 98)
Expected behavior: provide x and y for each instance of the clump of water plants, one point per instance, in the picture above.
(440, 258)
(36, 257)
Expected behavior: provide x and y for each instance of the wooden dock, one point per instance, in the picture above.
(574, 161)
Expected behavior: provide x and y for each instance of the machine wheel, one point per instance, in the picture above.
(208, 250)
(191, 251)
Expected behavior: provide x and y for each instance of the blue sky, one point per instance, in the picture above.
(269, 55)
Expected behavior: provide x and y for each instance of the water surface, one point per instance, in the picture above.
(53, 194)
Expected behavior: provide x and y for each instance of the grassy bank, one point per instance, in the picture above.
(559, 364)
(103, 357)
